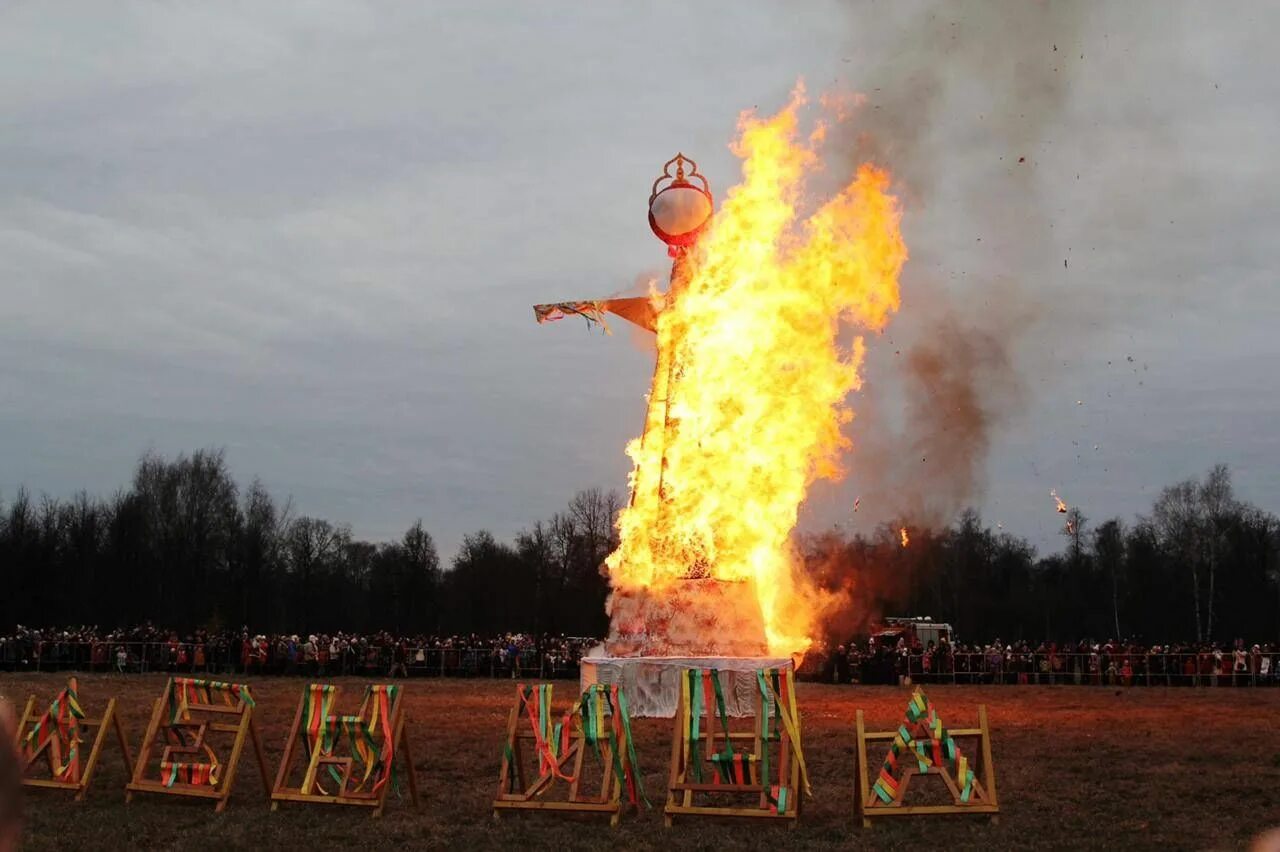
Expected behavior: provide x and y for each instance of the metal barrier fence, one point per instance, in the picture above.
(218, 659)
(1119, 669)
(1141, 669)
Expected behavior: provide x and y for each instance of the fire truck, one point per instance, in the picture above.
(911, 629)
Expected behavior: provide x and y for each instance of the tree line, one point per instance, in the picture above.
(1202, 566)
(185, 545)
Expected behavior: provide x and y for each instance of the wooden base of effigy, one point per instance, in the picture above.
(702, 617)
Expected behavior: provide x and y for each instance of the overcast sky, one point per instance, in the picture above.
(310, 233)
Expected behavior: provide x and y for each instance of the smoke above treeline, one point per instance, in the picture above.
(964, 104)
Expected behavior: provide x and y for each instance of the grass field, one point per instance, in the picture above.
(1077, 767)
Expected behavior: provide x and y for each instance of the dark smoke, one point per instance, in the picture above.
(960, 383)
(966, 99)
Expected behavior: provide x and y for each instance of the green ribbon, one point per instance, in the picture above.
(695, 718)
(631, 746)
(764, 747)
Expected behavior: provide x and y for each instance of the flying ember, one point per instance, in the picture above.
(756, 364)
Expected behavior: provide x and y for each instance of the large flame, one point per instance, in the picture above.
(762, 374)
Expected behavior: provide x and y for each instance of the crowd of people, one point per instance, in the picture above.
(147, 647)
(1085, 662)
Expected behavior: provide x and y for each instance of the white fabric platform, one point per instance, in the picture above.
(652, 684)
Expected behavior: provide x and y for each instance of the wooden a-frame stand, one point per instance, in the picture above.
(700, 745)
(66, 727)
(982, 798)
(528, 722)
(181, 721)
(315, 733)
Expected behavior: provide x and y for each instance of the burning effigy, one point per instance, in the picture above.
(759, 347)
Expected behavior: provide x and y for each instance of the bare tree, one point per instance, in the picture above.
(1218, 507)
(1108, 548)
(312, 545)
(1177, 521)
(1073, 529)
(594, 514)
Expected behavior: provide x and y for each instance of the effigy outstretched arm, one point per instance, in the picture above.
(639, 310)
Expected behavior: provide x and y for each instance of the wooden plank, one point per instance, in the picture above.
(585, 807)
(504, 774)
(675, 772)
(755, 749)
(286, 759)
(408, 761)
(704, 810)
(50, 784)
(121, 738)
(100, 736)
(220, 709)
(862, 788)
(955, 732)
(178, 789)
(988, 765)
(921, 810)
(144, 754)
(260, 755)
(320, 798)
(718, 788)
(28, 717)
(229, 779)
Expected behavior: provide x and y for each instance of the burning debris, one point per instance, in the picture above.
(1062, 507)
(902, 534)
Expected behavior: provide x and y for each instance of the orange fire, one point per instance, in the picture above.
(906, 539)
(762, 366)
(1062, 507)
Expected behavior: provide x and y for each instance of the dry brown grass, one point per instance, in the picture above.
(1077, 767)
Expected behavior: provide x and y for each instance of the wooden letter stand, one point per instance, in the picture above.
(922, 746)
(705, 765)
(598, 722)
(375, 737)
(58, 736)
(183, 721)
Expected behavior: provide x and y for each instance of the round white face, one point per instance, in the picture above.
(680, 210)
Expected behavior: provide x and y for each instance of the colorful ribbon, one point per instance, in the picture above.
(189, 773)
(317, 705)
(699, 688)
(186, 692)
(777, 689)
(59, 729)
(930, 745)
(599, 716)
(376, 757)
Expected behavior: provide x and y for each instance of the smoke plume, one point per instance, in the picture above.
(964, 102)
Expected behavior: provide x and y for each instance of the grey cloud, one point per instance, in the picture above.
(313, 236)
